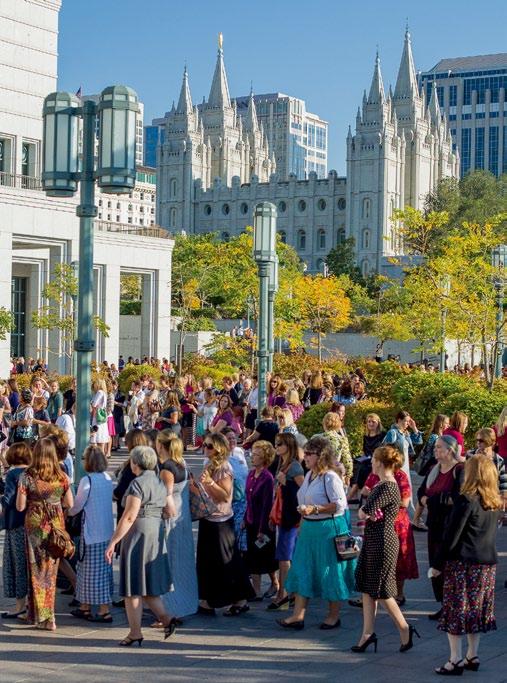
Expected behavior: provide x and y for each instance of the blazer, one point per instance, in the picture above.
(470, 534)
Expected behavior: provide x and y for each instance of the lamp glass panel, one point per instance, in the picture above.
(118, 141)
(74, 137)
(131, 140)
(105, 138)
(49, 142)
(62, 143)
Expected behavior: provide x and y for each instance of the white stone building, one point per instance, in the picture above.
(37, 232)
(400, 150)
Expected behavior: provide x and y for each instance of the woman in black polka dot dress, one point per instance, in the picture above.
(376, 567)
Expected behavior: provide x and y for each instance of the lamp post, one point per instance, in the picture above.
(272, 290)
(115, 173)
(446, 288)
(264, 255)
(75, 273)
(499, 261)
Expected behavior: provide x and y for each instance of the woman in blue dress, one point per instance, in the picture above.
(182, 600)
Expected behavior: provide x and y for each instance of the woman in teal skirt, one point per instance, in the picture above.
(315, 571)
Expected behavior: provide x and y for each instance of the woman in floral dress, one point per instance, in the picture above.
(43, 491)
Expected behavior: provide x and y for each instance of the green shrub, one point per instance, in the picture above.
(381, 377)
(133, 372)
(481, 406)
(310, 422)
(355, 417)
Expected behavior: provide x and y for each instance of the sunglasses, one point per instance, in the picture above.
(310, 453)
(480, 441)
(208, 445)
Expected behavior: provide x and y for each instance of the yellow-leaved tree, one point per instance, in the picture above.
(322, 305)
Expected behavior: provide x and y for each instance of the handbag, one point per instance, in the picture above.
(275, 516)
(100, 416)
(347, 547)
(74, 523)
(201, 504)
(58, 543)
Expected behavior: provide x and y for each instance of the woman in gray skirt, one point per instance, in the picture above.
(144, 566)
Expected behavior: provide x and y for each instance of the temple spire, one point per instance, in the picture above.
(185, 100)
(251, 122)
(377, 95)
(434, 107)
(406, 83)
(219, 93)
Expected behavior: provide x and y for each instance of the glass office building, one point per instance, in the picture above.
(297, 137)
(472, 93)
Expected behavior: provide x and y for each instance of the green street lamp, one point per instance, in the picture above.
(446, 288)
(264, 255)
(116, 173)
(499, 262)
(272, 290)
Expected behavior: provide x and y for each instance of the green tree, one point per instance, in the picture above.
(323, 306)
(6, 322)
(130, 294)
(58, 313)
(341, 260)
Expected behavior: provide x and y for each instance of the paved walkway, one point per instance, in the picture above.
(250, 648)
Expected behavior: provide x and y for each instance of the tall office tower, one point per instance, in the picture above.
(401, 148)
(472, 93)
(297, 137)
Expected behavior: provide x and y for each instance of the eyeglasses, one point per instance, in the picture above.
(208, 445)
(310, 453)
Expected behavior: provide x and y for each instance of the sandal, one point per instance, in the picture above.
(170, 628)
(12, 615)
(101, 618)
(81, 613)
(236, 610)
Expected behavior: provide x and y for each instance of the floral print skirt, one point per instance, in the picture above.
(469, 598)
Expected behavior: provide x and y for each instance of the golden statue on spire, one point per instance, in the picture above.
(220, 41)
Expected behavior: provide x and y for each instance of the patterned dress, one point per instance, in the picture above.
(406, 565)
(42, 568)
(376, 567)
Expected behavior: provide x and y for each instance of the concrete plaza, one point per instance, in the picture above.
(251, 648)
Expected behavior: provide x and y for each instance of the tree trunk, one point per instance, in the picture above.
(319, 346)
(180, 348)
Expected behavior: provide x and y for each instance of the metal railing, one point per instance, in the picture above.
(21, 182)
(128, 229)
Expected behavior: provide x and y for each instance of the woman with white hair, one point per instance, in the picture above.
(144, 566)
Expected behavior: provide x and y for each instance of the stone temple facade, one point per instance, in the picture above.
(213, 167)
(401, 149)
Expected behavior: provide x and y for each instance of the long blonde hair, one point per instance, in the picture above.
(172, 447)
(501, 423)
(481, 479)
(220, 454)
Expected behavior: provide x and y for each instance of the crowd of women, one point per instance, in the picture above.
(269, 502)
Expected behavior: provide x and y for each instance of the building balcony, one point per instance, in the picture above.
(128, 229)
(21, 182)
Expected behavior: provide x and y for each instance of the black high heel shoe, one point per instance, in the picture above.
(362, 648)
(294, 625)
(404, 647)
(472, 664)
(170, 628)
(128, 641)
(457, 669)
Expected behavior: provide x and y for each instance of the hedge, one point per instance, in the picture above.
(134, 372)
(310, 422)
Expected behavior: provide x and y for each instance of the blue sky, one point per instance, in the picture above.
(320, 50)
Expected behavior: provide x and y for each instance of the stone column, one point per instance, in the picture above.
(162, 311)
(5, 296)
(148, 309)
(111, 312)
